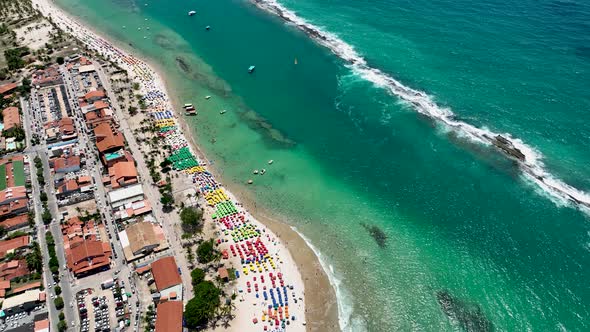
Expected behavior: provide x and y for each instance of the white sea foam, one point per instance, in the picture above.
(531, 166)
(345, 306)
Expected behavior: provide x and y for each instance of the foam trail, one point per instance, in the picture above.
(527, 158)
(345, 307)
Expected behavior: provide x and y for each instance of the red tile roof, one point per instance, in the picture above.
(165, 272)
(100, 104)
(11, 118)
(5, 284)
(7, 88)
(42, 325)
(13, 207)
(123, 173)
(61, 163)
(88, 255)
(107, 139)
(94, 95)
(9, 223)
(66, 126)
(12, 193)
(14, 244)
(169, 316)
(14, 268)
(26, 287)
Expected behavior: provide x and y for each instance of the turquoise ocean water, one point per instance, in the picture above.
(471, 244)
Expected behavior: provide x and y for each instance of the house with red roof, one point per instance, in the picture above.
(13, 245)
(169, 316)
(14, 268)
(108, 139)
(88, 256)
(167, 278)
(95, 95)
(11, 118)
(8, 88)
(15, 222)
(66, 164)
(122, 174)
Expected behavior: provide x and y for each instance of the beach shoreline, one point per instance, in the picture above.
(321, 308)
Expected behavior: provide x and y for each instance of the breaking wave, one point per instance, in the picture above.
(528, 159)
(345, 307)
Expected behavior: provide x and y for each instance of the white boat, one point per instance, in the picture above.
(207, 97)
(222, 112)
(191, 13)
(271, 161)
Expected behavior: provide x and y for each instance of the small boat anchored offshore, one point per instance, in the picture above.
(207, 97)
(189, 109)
(222, 112)
(191, 13)
(251, 69)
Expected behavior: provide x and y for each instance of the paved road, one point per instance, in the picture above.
(170, 221)
(47, 278)
(95, 170)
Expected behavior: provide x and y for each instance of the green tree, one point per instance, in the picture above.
(46, 216)
(62, 326)
(167, 200)
(197, 276)
(191, 219)
(206, 252)
(132, 110)
(59, 303)
(60, 60)
(202, 307)
(62, 316)
(34, 259)
(57, 290)
(25, 87)
(14, 57)
(43, 196)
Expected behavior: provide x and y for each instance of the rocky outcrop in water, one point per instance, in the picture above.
(183, 65)
(506, 146)
(377, 234)
(469, 316)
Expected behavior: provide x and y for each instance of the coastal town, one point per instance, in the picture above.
(110, 219)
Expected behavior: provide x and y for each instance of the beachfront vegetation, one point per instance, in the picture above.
(206, 252)
(132, 110)
(201, 308)
(14, 57)
(192, 219)
(197, 276)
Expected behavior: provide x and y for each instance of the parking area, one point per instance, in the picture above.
(24, 320)
(103, 310)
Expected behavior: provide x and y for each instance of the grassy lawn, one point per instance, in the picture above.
(19, 173)
(2, 177)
